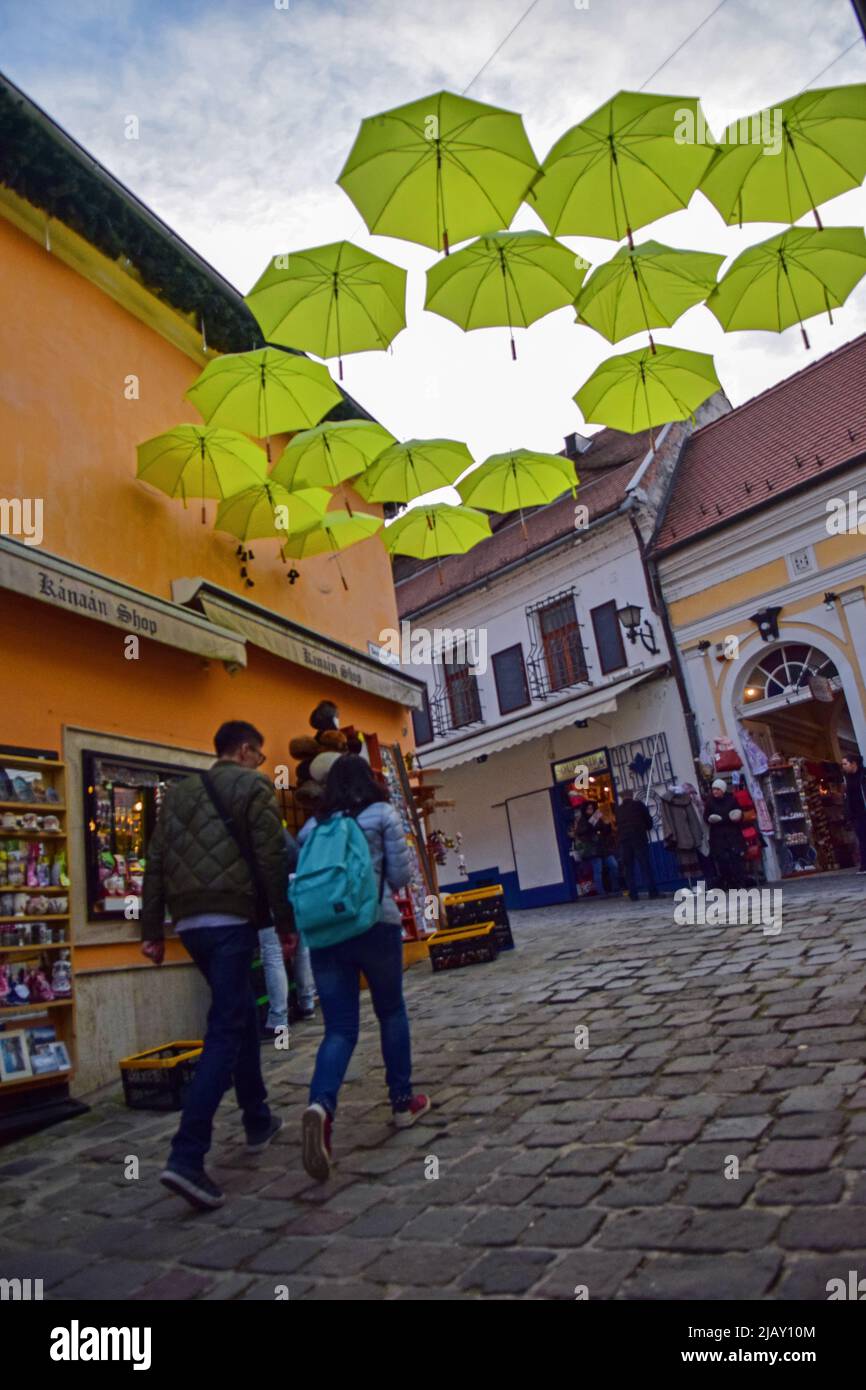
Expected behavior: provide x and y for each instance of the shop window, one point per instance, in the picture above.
(122, 799)
(422, 723)
(608, 637)
(557, 659)
(509, 673)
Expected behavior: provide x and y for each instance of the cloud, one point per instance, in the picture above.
(247, 112)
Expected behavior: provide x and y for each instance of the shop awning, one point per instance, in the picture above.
(30, 571)
(292, 642)
(535, 725)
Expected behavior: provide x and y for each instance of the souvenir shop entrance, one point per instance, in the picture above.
(796, 729)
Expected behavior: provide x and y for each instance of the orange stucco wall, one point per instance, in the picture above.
(69, 436)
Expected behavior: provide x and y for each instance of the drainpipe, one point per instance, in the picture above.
(660, 609)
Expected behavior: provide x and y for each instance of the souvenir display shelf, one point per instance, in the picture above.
(37, 1034)
(800, 817)
(387, 759)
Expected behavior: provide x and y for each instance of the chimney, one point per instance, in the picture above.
(576, 444)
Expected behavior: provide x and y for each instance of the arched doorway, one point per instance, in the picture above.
(793, 711)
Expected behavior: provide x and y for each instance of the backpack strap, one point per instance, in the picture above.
(354, 815)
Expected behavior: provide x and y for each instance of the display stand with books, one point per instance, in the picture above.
(37, 991)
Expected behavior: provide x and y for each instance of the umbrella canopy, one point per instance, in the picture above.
(435, 530)
(330, 453)
(335, 532)
(521, 478)
(639, 390)
(622, 167)
(645, 287)
(778, 164)
(505, 278)
(264, 392)
(200, 461)
(791, 277)
(439, 170)
(406, 471)
(331, 300)
(271, 510)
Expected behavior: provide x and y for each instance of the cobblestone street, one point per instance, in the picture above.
(556, 1167)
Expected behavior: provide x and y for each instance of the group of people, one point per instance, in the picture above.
(219, 863)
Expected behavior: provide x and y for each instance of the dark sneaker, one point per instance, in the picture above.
(306, 1014)
(197, 1188)
(316, 1140)
(257, 1142)
(408, 1111)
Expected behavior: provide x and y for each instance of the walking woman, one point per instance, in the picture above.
(351, 790)
(855, 801)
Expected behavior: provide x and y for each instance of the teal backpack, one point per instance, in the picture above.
(334, 891)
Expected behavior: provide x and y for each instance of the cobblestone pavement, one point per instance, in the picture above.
(557, 1167)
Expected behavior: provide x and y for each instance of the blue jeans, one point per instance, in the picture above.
(337, 970)
(304, 981)
(613, 869)
(276, 979)
(224, 955)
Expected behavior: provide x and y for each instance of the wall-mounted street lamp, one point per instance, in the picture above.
(629, 616)
(767, 623)
(830, 600)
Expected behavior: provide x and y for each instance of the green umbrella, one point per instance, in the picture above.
(269, 510)
(328, 454)
(522, 478)
(200, 461)
(335, 532)
(264, 392)
(622, 167)
(406, 471)
(789, 278)
(331, 300)
(510, 278)
(648, 286)
(439, 170)
(428, 532)
(639, 390)
(778, 164)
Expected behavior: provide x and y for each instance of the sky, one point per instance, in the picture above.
(246, 110)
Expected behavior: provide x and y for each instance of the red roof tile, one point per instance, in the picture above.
(802, 427)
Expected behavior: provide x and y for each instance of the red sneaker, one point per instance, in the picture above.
(408, 1111)
(316, 1142)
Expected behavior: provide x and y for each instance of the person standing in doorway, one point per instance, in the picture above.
(855, 801)
(351, 790)
(217, 860)
(727, 846)
(634, 823)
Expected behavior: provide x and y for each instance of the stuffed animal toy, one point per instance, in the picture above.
(316, 754)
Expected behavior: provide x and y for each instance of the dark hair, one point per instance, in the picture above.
(853, 758)
(626, 794)
(351, 786)
(323, 715)
(229, 736)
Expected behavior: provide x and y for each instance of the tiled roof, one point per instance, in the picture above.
(799, 429)
(604, 470)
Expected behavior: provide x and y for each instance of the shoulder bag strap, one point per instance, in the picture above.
(243, 846)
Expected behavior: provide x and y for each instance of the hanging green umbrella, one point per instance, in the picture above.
(505, 278)
(406, 471)
(328, 454)
(639, 390)
(335, 532)
(331, 300)
(622, 167)
(777, 164)
(200, 461)
(439, 170)
(428, 532)
(646, 287)
(264, 392)
(793, 276)
(271, 510)
(521, 478)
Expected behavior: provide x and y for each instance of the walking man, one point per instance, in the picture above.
(634, 822)
(217, 860)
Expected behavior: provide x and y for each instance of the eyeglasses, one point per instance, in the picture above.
(256, 753)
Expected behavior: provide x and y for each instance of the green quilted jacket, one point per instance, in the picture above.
(194, 865)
